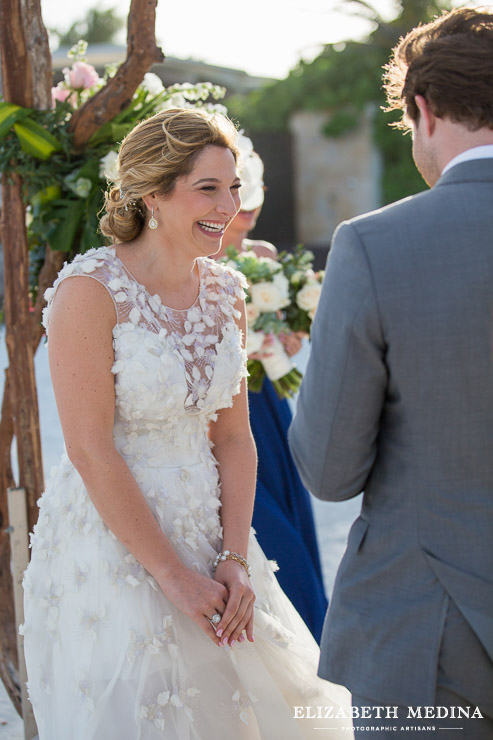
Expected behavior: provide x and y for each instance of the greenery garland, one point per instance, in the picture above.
(64, 187)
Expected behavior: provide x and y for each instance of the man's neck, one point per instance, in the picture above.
(458, 140)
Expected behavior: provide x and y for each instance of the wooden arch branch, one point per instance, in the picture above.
(117, 94)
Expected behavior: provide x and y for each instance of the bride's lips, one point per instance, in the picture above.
(213, 229)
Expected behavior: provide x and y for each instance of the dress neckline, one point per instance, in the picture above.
(156, 297)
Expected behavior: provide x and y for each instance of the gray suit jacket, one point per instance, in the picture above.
(398, 401)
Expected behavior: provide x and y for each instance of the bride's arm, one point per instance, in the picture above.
(234, 449)
(81, 357)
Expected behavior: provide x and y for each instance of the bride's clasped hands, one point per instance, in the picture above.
(228, 594)
(238, 615)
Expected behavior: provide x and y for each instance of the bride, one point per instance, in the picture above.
(150, 610)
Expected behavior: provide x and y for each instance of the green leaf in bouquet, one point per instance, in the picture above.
(231, 252)
(297, 319)
(288, 386)
(256, 375)
(270, 323)
(299, 260)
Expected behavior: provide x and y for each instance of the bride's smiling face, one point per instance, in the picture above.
(195, 215)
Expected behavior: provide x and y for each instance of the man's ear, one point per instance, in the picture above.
(429, 118)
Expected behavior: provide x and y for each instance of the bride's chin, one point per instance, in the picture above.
(214, 250)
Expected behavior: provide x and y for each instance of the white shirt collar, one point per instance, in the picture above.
(477, 152)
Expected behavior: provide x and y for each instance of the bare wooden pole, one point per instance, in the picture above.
(20, 559)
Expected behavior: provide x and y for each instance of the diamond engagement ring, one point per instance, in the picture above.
(216, 618)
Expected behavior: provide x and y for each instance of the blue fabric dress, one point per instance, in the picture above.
(282, 515)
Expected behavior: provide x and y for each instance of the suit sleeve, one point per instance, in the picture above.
(333, 436)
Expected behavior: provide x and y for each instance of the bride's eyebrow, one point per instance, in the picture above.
(211, 179)
(207, 179)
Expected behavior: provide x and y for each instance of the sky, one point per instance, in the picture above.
(263, 37)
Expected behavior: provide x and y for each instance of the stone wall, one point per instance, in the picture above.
(334, 178)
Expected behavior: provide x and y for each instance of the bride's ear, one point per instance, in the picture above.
(149, 201)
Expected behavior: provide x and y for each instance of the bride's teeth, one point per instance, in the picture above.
(209, 226)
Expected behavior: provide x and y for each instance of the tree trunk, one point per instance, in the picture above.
(27, 79)
(19, 346)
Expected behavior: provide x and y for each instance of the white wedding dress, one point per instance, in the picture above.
(109, 657)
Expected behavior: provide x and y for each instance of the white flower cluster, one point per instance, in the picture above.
(185, 94)
(308, 296)
(108, 166)
(268, 295)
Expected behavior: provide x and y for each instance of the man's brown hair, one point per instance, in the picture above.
(450, 63)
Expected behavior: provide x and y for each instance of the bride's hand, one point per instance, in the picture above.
(197, 596)
(238, 615)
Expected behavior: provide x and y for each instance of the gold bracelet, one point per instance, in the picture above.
(227, 555)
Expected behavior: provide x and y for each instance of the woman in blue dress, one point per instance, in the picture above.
(282, 516)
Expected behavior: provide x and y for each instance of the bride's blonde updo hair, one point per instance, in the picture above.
(153, 156)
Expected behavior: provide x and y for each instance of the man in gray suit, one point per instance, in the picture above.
(397, 402)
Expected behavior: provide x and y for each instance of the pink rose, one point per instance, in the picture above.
(59, 93)
(82, 76)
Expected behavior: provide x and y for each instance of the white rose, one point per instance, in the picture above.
(282, 284)
(255, 340)
(252, 313)
(266, 297)
(308, 297)
(108, 166)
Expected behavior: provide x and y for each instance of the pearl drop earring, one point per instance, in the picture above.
(153, 224)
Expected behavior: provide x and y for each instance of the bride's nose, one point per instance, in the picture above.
(228, 204)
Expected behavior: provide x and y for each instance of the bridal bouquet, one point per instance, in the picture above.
(282, 297)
